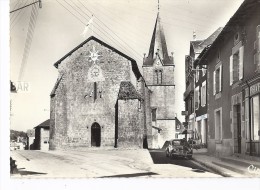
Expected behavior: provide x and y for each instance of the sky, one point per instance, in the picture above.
(124, 24)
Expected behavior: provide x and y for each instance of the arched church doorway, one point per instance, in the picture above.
(95, 134)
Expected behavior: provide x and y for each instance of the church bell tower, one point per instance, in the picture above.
(158, 72)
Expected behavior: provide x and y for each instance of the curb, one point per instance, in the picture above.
(212, 167)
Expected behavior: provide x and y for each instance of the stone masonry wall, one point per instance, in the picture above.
(130, 134)
(76, 110)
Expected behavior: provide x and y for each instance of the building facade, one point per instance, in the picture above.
(101, 99)
(30, 139)
(233, 76)
(42, 135)
(195, 96)
(95, 101)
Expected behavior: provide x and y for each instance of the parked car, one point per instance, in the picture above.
(179, 148)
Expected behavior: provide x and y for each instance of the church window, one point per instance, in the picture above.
(158, 76)
(139, 105)
(95, 91)
(154, 114)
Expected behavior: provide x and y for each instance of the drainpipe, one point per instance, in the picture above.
(249, 111)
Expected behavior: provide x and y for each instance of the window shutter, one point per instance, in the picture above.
(206, 93)
(199, 89)
(214, 82)
(201, 95)
(231, 69)
(220, 78)
(241, 62)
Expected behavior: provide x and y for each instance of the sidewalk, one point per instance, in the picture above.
(227, 166)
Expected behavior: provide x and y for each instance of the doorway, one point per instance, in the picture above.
(95, 135)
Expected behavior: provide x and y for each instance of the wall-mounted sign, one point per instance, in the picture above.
(254, 89)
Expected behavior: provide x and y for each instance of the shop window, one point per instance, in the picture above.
(255, 129)
(236, 64)
(203, 94)
(218, 125)
(217, 80)
(196, 98)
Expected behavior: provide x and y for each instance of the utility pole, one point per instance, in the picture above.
(39, 1)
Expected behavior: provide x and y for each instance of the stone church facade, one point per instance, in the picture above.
(101, 99)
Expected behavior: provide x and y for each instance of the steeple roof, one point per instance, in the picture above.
(158, 46)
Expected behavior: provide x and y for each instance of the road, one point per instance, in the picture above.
(159, 157)
(103, 164)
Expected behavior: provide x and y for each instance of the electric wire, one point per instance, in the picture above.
(76, 17)
(111, 31)
(15, 6)
(123, 27)
(105, 34)
(114, 40)
(16, 17)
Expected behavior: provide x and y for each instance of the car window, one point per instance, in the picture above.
(176, 143)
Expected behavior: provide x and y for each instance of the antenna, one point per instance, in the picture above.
(158, 6)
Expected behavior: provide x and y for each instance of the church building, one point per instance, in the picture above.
(101, 99)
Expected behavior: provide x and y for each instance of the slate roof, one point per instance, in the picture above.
(211, 38)
(196, 45)
(158, 38)
(134, 64)
(45, 124)
(199, 45)
(127, 91)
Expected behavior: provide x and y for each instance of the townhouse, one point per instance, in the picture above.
(233, 81)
